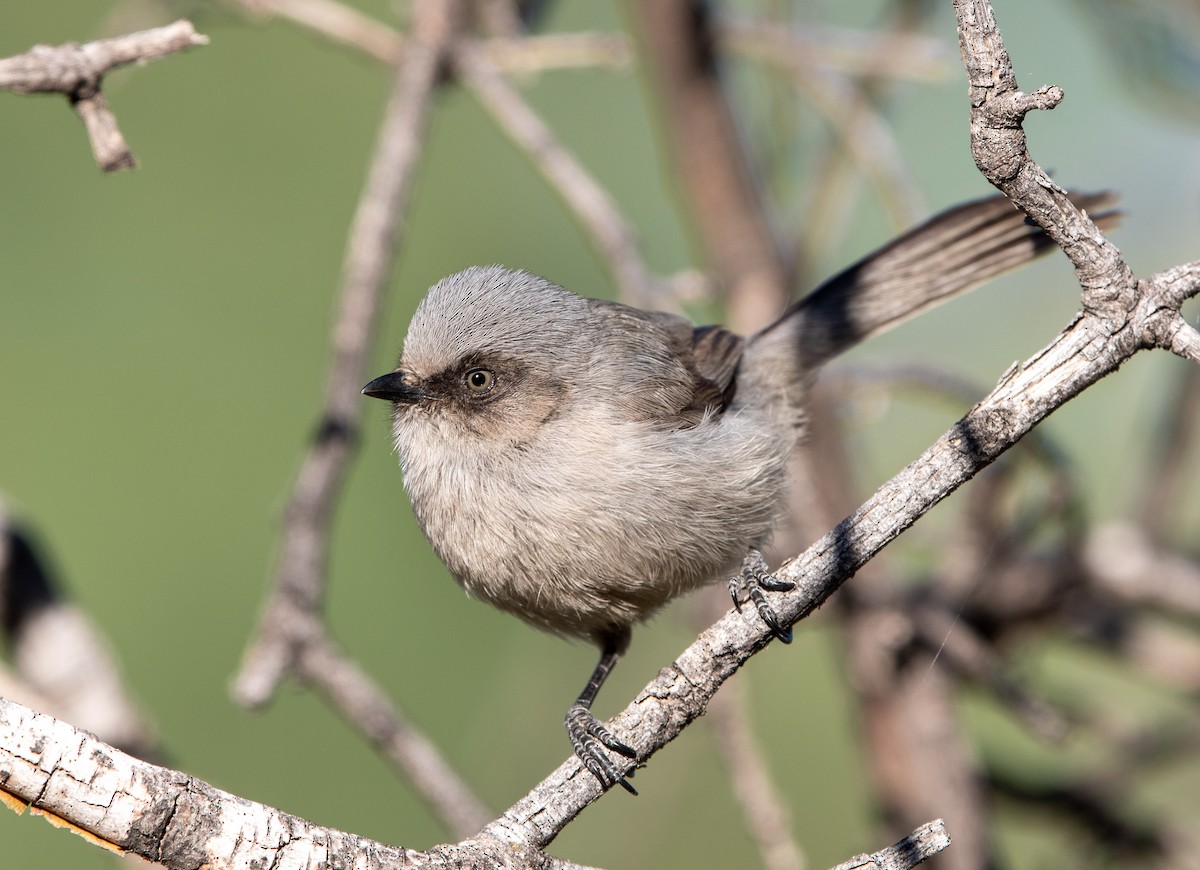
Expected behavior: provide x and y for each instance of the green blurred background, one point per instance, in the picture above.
(163, 342)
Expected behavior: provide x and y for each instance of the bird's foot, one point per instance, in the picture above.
(755, 580)
(589, 738)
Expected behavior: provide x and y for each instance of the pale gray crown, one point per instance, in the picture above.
(490, 309)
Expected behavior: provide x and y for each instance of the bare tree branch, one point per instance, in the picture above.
(300, 583)
(337, 22)
(864, 139)
(77, 70)
(180, 822)
(1125, 562)
(867, 141)
(481, 64)
(998, 145)
(536, 53)
(919, 846)
(117, 802)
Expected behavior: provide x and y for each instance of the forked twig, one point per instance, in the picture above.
(77, 71)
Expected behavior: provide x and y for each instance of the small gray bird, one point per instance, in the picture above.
(580, 463)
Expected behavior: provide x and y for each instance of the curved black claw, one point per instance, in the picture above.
(757, 580)
(589, 738)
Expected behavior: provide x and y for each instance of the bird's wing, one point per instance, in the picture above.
(717, 353)
(659, 367)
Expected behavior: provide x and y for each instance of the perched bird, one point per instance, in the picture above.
(579, 463)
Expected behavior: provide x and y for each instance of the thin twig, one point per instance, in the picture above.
(851, 53)
(1124, 562)
(543, 52)
(347, 26)
(364, 705)
(300, 577)
(763, 808)
(65, 68)
(77, 70)
(863, 137)
(336, 22)
(590, 202)
(998, 144)
(834, 175)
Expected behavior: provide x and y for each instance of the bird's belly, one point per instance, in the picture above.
(583, 541)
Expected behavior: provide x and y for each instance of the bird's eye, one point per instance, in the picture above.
(480, 381)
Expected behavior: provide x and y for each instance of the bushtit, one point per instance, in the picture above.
(579, 463)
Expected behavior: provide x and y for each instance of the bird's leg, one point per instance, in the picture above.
(756, 580)
(587, 734)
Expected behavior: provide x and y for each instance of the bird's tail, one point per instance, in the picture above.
(949, 254)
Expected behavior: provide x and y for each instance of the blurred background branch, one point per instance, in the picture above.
(59, 661)
(293, 636)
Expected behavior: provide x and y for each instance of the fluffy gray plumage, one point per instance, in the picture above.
(588, 486)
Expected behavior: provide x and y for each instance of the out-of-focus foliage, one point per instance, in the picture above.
(1157, 44)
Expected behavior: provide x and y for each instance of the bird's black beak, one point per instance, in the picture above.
(394, 388)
